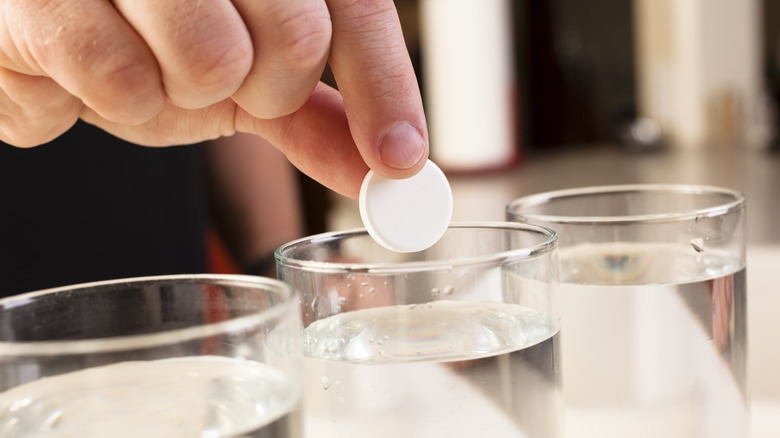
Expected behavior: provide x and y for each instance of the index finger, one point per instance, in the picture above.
(382, 99)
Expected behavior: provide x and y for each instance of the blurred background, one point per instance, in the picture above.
(585, 70)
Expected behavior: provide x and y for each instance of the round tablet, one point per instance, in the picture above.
(406, 215)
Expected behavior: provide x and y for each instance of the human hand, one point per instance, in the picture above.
(175, 72)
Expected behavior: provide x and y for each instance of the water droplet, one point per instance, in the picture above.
(697, 244)
(53, 419)
(314, 303)
(244, 350)
(364, 284)
(371, 290)
(449, 289)
(332, 345)
(342, 301)
(435, 292)
(325, 382)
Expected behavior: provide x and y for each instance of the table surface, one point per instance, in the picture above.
(754, 172)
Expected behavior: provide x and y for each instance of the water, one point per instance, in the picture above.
(655, 342)
(190, 397)
(440, 369)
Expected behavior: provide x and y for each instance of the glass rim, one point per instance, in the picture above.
(549, 243)
(737, 201)
(148, 340)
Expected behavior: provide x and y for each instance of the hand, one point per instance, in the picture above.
(182, 71)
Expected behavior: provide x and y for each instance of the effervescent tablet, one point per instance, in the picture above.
(407, 215)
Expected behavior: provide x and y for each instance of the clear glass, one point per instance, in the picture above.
(460, 340)
(170, 356)
(653, 308)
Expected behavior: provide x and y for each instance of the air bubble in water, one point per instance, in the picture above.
(332, 345)
(616, 262)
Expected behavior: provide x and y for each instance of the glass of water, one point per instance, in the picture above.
(169, 356)
(653, 308)
(460, 340)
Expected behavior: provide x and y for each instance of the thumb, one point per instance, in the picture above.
(381, 96)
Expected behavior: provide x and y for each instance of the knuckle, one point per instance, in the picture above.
(130, 91)
(303, 39)
(220, 63)
(123, 76)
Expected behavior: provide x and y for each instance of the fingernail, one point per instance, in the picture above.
(402, 146)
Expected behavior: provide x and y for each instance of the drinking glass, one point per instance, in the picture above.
(167, 356)
(653, 306)
(460, 340)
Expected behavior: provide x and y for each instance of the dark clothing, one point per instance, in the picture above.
(89, 207)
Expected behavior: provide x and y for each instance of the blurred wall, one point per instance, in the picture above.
(583, 77)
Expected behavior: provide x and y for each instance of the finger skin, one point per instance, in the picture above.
(375, 75)
(292, 41)
(172, 125)
(88, 49)
(203, 49)
(316, 138)
(34, 109)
